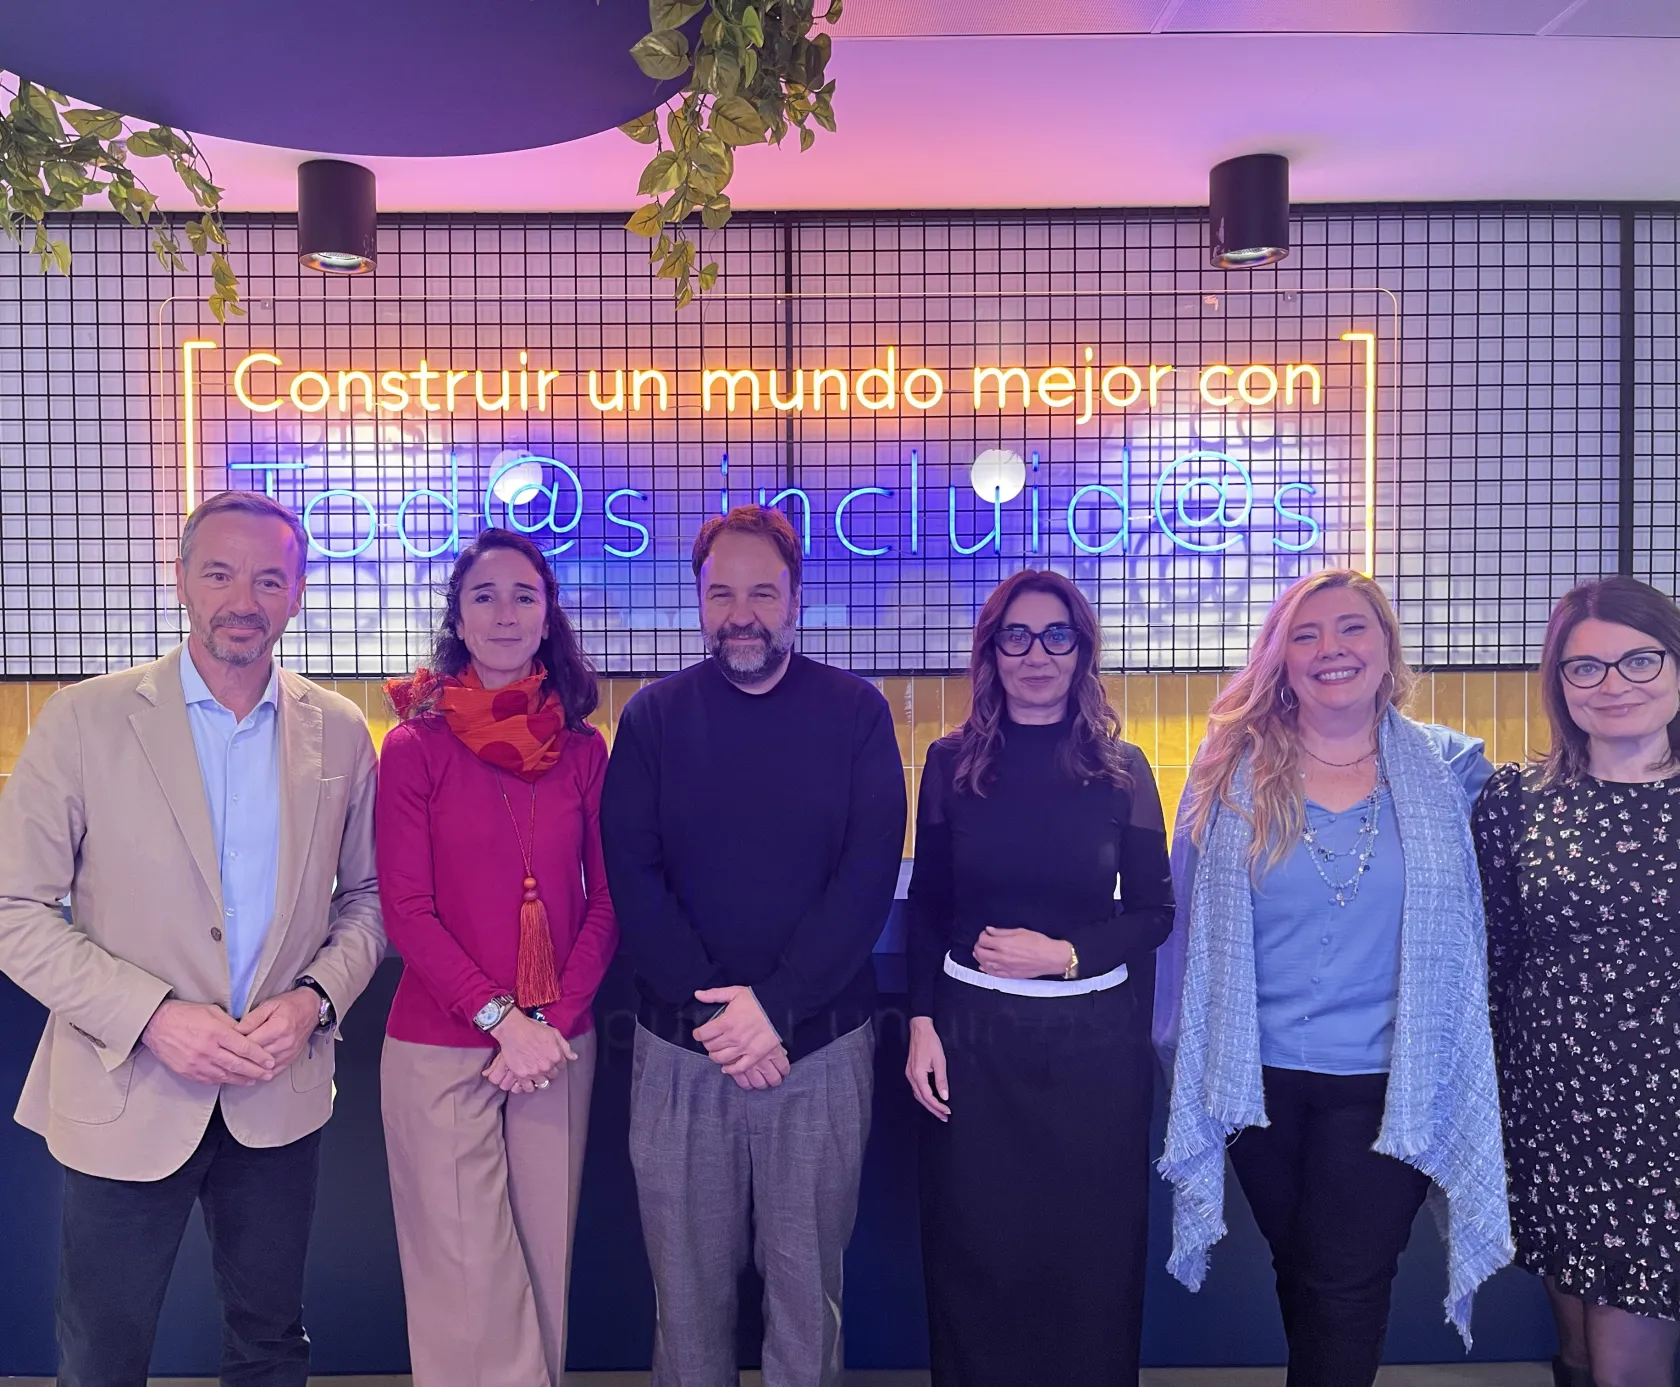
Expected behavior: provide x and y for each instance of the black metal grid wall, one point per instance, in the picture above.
(1501, 441)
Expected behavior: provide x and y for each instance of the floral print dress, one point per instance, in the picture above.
(1582, 884)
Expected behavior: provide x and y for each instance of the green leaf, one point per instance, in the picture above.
(737, 122)
(716, 213)
(717, 71)
(100, 124)
(677, 208)
(823, 114)
(807, 138)
(673, 14)
(222, 273)
(685, 295)
(754, 27)
(663, 173)
(672, 265)
(39, 104)
(213, 228)
(832, 14)
(196, 238)
(61, 257)
(711, 31)
(646, 220)
(749, 66)
(708, 275)
(662, 54)
(142, 144)
(644, 129)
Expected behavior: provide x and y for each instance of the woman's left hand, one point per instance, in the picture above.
(504, 1078)
(1021, 953)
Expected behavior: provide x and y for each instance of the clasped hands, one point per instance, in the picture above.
(530, 1053)
(202, 1042)
(741, 1040)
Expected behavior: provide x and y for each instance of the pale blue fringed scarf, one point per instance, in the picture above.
(1442, 1113)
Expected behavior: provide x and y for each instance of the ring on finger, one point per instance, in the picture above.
(542, 1083)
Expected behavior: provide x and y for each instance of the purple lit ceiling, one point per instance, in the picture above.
(357, 77)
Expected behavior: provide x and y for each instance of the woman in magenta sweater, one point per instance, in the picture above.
(494, 892)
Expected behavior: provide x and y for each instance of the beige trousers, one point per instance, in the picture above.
(485, 1189)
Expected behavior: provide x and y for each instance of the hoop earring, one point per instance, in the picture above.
(1286, 696)
(1385, 690)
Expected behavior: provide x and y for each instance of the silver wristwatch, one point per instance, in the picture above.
(490, 1015)
(328, 1013)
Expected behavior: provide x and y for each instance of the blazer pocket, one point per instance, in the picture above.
(314, 1066)
(334, 794)
(79, 1088)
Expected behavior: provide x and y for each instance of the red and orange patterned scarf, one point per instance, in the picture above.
(517, 728)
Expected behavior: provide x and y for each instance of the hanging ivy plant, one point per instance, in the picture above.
(756, 73)
(54, 156)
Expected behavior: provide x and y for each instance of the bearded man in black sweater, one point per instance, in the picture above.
(753, 823)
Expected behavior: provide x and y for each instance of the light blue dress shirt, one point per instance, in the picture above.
(240, 764)
(1329, 975)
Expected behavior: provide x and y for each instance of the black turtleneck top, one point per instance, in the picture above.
(1039, 850)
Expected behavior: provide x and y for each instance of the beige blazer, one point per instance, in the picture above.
(107, 805)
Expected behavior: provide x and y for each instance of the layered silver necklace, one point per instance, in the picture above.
(1358, 856)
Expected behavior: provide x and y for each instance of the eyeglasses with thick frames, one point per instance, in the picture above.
(1016, 641)
(1637, 667)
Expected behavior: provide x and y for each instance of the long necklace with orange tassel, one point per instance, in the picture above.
(537, 983)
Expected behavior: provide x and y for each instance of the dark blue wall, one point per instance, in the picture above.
(355, 1309)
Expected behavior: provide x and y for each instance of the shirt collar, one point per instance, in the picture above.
(197, 691)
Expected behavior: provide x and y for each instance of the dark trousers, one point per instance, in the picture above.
(118, 1247)
(1336, 1214)
(1035, 1195)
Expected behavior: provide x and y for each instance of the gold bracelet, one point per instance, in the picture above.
(1073, 965)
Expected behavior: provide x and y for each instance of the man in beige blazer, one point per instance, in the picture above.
(210, 818)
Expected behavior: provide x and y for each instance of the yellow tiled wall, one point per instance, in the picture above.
(1163, 714)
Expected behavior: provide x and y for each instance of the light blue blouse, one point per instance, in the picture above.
(1329, 975)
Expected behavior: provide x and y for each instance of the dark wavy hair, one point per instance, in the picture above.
(1626, 602)
(1092, 751)
(567, 672)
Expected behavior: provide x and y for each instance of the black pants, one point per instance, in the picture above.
(118, 1247)
(1035, 1196)
(1336, 1214)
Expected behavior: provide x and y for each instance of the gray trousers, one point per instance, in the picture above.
(723, 1173)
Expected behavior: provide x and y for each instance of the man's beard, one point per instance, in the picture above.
(237, 656)
(751, 667)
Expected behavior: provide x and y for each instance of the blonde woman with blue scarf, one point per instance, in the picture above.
(1324, 993)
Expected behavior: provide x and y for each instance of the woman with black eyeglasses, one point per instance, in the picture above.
(1580, 857)
(1031, 982)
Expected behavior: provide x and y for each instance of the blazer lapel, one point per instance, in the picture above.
(300, 799)
(166, 738)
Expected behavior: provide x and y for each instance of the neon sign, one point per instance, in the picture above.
(1196, 499)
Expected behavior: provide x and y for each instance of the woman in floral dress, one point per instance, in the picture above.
(1580, 858)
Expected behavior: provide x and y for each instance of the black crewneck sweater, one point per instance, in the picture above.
(754, 840)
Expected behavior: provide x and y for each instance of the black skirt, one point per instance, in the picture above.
(1035, 1195)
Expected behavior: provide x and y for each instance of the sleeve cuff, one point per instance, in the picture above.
(118, 1040)
(775, 999)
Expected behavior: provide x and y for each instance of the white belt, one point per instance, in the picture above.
(1035, 987)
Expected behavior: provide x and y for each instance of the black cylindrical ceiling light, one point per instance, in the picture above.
(336, 216)
(1248, 211)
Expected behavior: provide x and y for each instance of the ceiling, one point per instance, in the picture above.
(1539, 18)
(1041, 103)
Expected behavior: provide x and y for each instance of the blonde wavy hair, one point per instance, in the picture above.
(1249, 718)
